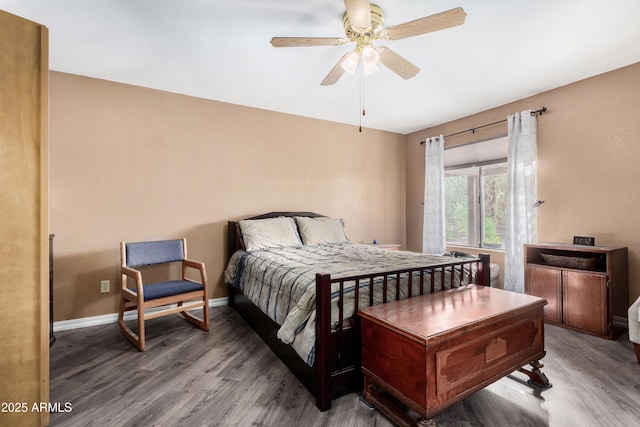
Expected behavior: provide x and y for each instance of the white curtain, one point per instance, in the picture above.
(521, 196)
(433, 231)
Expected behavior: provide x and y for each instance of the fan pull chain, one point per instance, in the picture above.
(361, 102)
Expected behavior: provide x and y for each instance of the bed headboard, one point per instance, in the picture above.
(234, 238)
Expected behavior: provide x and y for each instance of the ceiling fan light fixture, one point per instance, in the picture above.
(370, 59)
(363, 24)
(367, 70)
(350, 64)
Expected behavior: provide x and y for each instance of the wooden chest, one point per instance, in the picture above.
(431, 351)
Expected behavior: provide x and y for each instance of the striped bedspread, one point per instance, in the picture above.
(281, 282)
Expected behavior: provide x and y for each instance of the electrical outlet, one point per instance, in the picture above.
(105, 286)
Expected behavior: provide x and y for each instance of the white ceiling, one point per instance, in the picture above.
(219, 49)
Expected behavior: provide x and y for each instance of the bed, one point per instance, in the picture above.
(298, 281)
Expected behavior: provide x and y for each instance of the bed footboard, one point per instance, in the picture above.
(337, 359)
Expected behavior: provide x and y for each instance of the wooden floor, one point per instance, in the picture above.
(228, 377)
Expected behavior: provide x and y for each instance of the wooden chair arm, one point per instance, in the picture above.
(193, 264)
(131, 272)
(188, 263)
(137, 276)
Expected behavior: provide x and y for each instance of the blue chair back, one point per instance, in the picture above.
(159, 252)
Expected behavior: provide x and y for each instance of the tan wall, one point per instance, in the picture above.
(132, 164)
(588, 150)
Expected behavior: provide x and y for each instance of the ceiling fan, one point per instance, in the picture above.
(363, 24)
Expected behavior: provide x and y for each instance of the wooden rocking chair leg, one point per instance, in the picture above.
(121, 311)
(194, 320)
(636, 347)
(132, 337)
(141, 334)
(201, 323)
(124, 328)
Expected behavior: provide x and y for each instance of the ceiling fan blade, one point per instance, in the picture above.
(307, 41)
(359, 13)
(336, 72)
(428, 24)
(397, 63)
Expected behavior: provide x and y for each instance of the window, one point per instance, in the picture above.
(475, 187)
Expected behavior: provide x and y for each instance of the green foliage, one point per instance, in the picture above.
(491, 232)
(495, 203)
(495, 207)
(461, 200)
(456, 208)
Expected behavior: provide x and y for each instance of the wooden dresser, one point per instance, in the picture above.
(585, 286)
(430, 351)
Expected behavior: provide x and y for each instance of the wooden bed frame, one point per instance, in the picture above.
(336, 370)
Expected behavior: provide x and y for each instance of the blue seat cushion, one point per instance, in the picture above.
(170, 288)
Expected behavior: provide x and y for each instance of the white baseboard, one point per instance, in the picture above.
(85, 322)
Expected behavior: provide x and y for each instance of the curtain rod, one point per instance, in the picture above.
(473, 130)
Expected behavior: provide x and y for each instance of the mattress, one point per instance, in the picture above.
(282, 282)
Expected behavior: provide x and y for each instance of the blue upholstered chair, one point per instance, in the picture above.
(172, 293)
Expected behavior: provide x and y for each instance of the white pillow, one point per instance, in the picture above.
(321, 230)
(269, 233)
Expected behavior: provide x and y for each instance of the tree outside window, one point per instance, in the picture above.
(475, 205)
